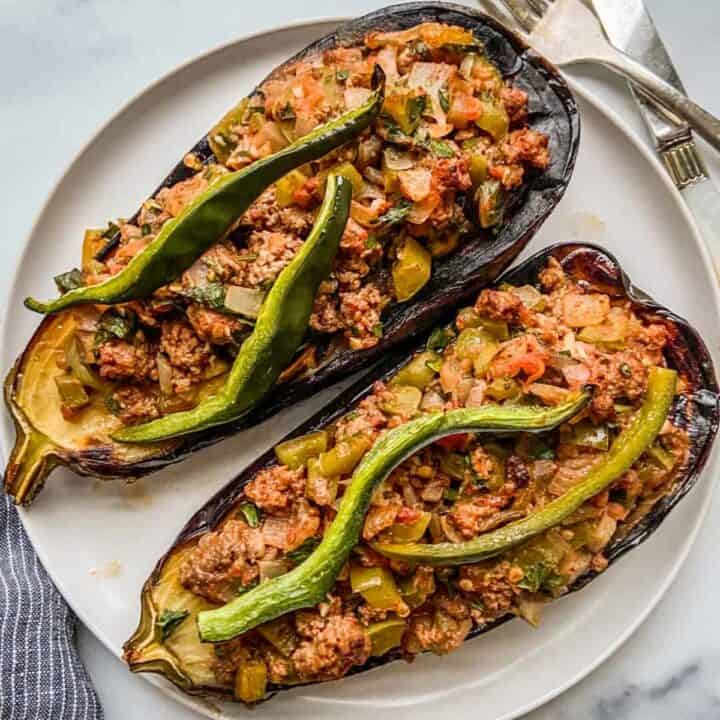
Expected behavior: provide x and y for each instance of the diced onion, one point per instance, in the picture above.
(476, 396)
(371, 192)
(369, 151)
(244, 301)
(432, 400)
(270, 132)
(466, 66)
(275, 532)
(420, 212)
(387, 60)
(272, 568)
(86, 318)
(374, 176)
(397, 160)
(165, 374)
(449, 530)
(197, 273)
(356, 96)
(415, 183)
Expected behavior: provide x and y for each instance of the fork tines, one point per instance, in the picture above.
(527, 13)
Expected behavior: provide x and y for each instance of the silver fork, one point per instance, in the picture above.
(567, 32)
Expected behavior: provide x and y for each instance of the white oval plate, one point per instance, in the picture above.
(99, 541)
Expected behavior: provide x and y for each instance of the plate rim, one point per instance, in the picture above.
(207, 707)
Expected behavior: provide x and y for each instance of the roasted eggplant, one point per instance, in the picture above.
(45, 439)
(179, 656)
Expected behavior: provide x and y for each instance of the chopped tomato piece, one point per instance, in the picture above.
(522, 354)
(407, 515)
(616, 511)
(454, 442)
(464, 109)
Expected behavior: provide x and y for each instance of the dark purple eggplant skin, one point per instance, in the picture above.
(697, 410)
(552, 110)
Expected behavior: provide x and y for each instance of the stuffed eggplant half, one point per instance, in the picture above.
(457, 142)
(527, 443)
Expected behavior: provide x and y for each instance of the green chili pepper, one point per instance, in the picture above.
(182, 240)
(308, 583)
(625, 450)
(280, 327)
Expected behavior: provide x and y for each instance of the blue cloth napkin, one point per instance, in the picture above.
(41, 675)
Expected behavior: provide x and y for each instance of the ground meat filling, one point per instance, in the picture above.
(277, 488)
(187, 354)
(533, 344)
(223, 562)
(420, 175)
(214, 327)
(439, 629)
(268, 253)
(123, 360)
(330, 646)
(135, 405)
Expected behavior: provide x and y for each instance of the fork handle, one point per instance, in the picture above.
(704, 123)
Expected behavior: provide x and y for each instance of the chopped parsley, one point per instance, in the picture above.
(247, 588)
(396, 214)
(444, 98)
(342, 75)
(446, 579)
(540, 450)
(70, 280)
(395, 132)
(415, 108)
(251, 514)
(113, 325)
(538, 576)
(439, 339)
(287, 113)
(435, 365)
(442, 149)
(463, 48)
(112, 231)
(211, 295)
(450, 494)
(112, 404)
(421, 50)
(169, 621)
(371, 242)
(377, 330)
(303, 551)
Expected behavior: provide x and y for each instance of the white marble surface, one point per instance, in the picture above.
(67, 65)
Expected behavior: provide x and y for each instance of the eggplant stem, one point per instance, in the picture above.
(33, 457)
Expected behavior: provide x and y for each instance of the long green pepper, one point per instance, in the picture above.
(629, 445)
(308, 583)
(279, 329)
(182, 240)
